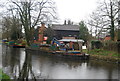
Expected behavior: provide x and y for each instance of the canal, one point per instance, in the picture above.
(18, 63)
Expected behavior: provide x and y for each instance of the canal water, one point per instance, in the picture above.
(18, 63)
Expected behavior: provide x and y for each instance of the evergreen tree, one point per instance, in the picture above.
(83, 33)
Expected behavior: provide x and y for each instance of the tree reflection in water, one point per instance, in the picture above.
(26, 72)
(16, 64)
(31, 65)
(10, 61)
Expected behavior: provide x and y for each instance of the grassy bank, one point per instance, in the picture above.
(3, 76)
(101, 54)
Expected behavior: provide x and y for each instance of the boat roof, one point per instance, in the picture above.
(71, 40)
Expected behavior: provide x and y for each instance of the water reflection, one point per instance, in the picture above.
(17, 63)
(62, 68)
(26, 71)
(21, 64)
(11, 60)
(109, 68)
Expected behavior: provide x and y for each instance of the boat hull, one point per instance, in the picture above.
(16, 46)
(61, 54)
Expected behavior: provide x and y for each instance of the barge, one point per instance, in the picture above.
(61, 50)
(18, 46)
(61, 54)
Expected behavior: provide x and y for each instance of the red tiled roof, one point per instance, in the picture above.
(107, 38)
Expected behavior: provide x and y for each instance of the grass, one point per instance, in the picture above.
(3, 76)
(102, 52)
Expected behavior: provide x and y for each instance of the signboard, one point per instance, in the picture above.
(84, 47)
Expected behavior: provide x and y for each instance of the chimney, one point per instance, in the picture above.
(43, 24)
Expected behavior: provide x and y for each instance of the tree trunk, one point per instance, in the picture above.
(27, 35)
(112, 22)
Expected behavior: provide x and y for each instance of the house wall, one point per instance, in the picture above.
(39, 33)
(65, 33)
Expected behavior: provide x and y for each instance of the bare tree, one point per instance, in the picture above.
(11, 28)
(119, 14)
(6, 28)
(119, 21)
(105, 17)
(31, 13)
(97, 23)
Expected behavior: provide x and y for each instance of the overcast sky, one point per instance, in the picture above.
(75, 10)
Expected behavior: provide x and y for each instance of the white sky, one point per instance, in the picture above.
(75, 10)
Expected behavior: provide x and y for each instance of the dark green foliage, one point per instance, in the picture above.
(96, 44)
(15, 35)
(84, 34)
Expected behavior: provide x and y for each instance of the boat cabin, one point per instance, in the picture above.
(73, 44)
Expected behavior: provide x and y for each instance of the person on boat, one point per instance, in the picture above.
(71, 45)
(66, 47)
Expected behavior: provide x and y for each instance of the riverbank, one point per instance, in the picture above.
(4, 76)
(101, 54)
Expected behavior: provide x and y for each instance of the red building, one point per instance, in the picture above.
(107, 38)
(39, 34)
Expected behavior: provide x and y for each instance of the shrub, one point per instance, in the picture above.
(111, 46)
(96, 44)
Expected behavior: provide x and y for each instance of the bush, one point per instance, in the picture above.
(96, 44)
(118, 46)
(111, 46)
